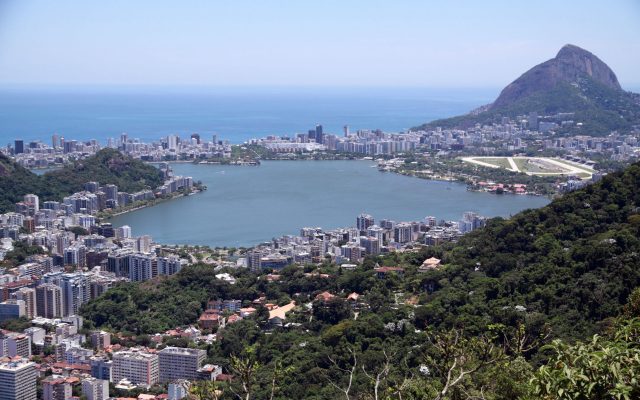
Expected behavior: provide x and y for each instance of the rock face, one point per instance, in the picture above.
(569, 66)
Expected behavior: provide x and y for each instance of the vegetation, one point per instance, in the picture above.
(471, 174)
(21, 251)
(525, 308)
(601, 368)
(107, 166)
(600, 109)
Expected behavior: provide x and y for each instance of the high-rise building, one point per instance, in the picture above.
(18, 380)
(137, 367)
(92, 186)
(178, 389)
(370, 244)
(346, 130)
(18, 146)
(169, 265)
(95, 389)
(28, 295)
(352, 252)
(123, 232)
(55, 140)
(180, 363)
(312, 134)
(403, 232)
(118, 263)
(143, 244)
(142, 267)
(101, 368)
(253, 259)
(36, 334)
(13, 344)
(75, 290)
(55, 389)
(111, 191)
(75, 255)
(83, 202)
(33, 202)
(319, 134)
(363, 222)
(48, 301)
(376, 232)
(172, 142)
(100, 339)
(533, 120)
(12, 309)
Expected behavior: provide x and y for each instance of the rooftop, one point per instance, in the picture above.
(15, 364)
(180, 351)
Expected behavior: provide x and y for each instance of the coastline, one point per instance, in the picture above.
(154, 203)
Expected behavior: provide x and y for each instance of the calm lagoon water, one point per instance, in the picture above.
(244, 206)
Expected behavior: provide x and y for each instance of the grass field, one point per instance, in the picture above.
(500, 162)
(540, 166)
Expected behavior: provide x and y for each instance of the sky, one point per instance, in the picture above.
(306, 43)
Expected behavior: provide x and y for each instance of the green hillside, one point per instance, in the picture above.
(107, 166)
(599, 109)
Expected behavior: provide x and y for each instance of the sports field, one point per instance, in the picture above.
(540, 166)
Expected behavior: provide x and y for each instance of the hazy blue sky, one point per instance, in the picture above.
(342, 42)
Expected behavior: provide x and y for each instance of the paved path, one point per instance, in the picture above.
(573, 168)
(514, 166)
(569, 168)
(474, 160)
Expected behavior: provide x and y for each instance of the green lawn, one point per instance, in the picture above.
(501, 162)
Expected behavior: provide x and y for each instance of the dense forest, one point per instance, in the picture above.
(107, 166)
(502, 313)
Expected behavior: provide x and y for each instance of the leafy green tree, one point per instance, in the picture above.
(602, 368)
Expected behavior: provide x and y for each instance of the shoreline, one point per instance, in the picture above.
(469, 186)
(155, 203)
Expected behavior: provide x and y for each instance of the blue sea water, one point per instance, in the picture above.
(233, 113)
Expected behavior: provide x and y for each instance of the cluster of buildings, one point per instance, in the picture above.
(79, 260)
(517, 134)
(78, 209)
(351, 245)
(36, 154)
(88, 364)
(531, 131)
(76, 266)
(362, 142)
(144, 367)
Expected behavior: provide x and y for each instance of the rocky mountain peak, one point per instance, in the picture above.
(571, 64)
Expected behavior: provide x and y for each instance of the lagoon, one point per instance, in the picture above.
(244, 205)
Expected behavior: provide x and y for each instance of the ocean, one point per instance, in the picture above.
(232, 113)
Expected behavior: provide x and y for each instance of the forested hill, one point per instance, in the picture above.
(574, 81)
(572, 263)
(107, 166)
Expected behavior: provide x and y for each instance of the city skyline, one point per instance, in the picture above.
(301, 44)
